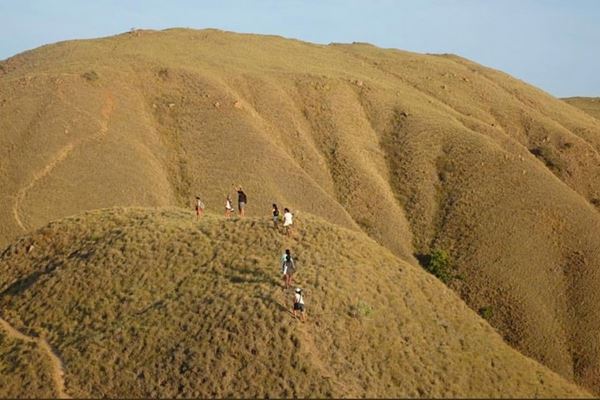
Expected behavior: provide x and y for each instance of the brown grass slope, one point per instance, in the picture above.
(24, 370)
(418, 151)
(143, 302)
(590, 105)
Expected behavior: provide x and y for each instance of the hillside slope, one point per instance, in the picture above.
(141, 303)
(590, 105)
(418, 151)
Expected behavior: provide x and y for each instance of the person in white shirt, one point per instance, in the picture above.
(199, 207)
(299, 304)
(228, 207)
(287, 221)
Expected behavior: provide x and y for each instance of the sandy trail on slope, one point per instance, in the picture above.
(57, 372)
(63, 154)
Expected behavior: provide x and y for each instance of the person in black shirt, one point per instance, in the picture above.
(275, 215)
(242, 200)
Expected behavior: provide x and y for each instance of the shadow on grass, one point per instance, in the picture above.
(423, 259)
(25, 283)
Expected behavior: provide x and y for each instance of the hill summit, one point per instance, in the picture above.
(152, 303)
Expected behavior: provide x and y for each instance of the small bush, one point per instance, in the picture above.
(486, 312)
(566, 145)
(163, 73)
(360, 310)
(90, 76)
(439, 265)
(550, 157)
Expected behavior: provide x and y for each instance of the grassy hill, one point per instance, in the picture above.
(420, 152)
(590, 105)
(147, 303)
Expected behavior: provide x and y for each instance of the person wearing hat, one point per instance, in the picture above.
(299, 304)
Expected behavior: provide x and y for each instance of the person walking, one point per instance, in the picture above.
(287, 221)
(242, 201)
(199, 207)
(289, 268)
(228, 207)
(282, 263)
(275, 216)
(299, 304)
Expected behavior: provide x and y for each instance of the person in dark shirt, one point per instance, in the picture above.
(275, 215)
(242, 200)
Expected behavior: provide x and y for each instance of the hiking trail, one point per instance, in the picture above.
(57, 373)
(63, 154)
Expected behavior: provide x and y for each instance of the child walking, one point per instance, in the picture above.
(228, 207)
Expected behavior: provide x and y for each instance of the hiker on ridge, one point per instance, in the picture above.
(242, 200)
(299, 304)
(228, 207)
(288, 269)
(287, 221)
(275, 215)
(283, 266)
(199, 207)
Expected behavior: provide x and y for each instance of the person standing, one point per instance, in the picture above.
(228, 207)
(299, 304)
(242, 201)
(287, 221)
(199, 207)
(275, 215)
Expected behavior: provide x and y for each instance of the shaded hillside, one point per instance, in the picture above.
(590, 105)
(417, 151)
(141, 303)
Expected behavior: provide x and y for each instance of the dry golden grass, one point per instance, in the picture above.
(418, 151)
(24, 370)
(590, 105)
(144, 302)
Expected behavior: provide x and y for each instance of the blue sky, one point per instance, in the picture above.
(553, 44)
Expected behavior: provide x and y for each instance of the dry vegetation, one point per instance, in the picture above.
(590, 105)
(420, 152)
(147, 303)
(24, 370)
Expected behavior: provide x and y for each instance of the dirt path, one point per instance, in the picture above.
(57, 372)
(63, 154)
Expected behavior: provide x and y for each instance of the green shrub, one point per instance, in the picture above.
(360, 310)
(486, 312)
(439, 265)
